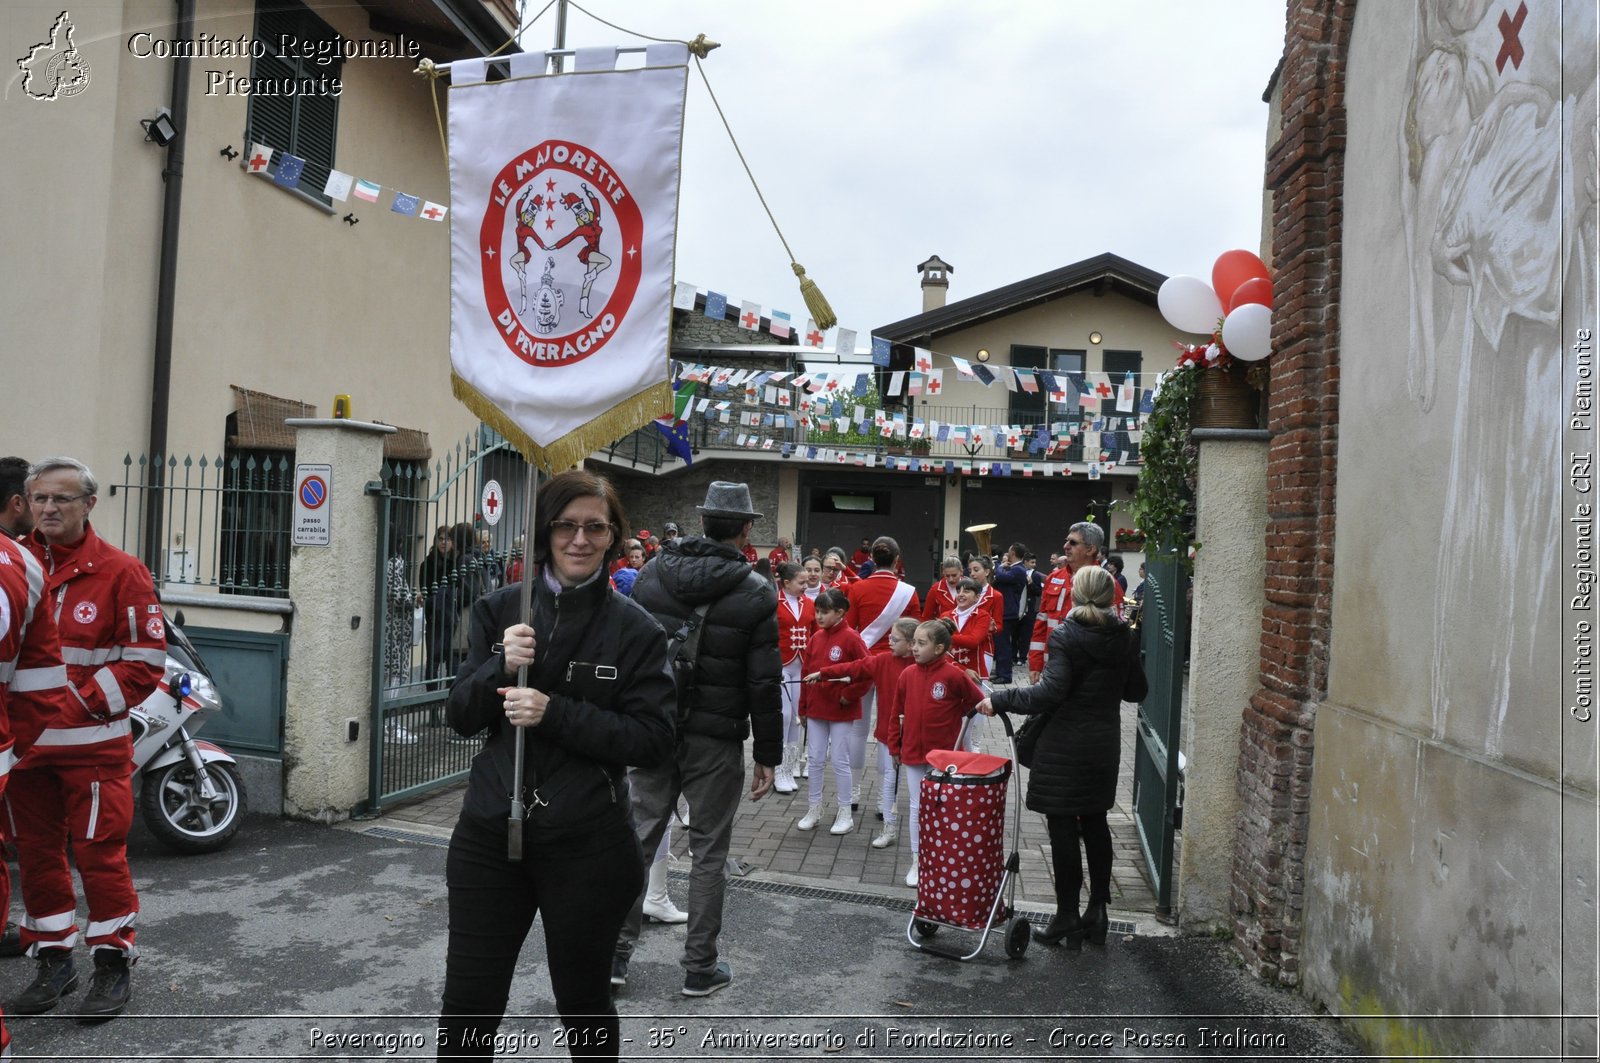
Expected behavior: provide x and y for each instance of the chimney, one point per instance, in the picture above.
(935, 282)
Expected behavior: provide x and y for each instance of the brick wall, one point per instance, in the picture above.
(1305, 175)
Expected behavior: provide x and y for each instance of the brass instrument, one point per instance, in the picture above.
(980, 535)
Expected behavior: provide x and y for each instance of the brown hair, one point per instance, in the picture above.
(939, 630)
(561, 491)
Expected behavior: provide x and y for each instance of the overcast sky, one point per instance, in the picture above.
(1008, 138)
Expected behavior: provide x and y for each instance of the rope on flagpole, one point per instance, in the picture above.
(427, 68)
(700, 47)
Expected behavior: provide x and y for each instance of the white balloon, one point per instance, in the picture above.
(1247, 333)
(1189, 304)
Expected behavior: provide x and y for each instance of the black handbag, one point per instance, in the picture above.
(1027, 737)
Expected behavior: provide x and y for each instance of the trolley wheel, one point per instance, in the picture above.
(1017, 937)
(922, 928)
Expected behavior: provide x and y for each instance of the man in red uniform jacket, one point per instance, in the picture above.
(75, 784)
(33, 681)
(1085, 543)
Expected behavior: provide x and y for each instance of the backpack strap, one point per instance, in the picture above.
(685, 642)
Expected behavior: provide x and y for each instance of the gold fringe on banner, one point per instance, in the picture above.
(816, 302)
(569, 451)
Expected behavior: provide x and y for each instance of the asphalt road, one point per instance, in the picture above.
(306, 942)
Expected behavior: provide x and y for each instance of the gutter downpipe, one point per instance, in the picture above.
(166, 284)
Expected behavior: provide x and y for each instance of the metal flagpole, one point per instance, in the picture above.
(519, 808)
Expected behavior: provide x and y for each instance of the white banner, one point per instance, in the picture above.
(564, 202)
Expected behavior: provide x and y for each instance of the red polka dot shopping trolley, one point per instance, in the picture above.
(965, 880)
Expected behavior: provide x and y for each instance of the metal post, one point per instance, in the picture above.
(519, 809)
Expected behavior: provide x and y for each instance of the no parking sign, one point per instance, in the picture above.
(313, 511)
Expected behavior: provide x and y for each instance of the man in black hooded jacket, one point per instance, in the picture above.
(735, 693)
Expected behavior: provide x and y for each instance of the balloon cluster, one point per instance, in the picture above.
(1241, 326)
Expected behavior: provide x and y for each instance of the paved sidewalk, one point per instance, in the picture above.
(767, 844)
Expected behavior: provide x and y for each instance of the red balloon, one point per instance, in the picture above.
(1233, 268)
(1254, 290)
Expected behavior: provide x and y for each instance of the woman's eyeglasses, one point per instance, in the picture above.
(594, 530)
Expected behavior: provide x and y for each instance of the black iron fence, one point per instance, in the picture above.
(225, 519)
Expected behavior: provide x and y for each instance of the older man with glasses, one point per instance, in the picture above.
(1084, 546)
(75, 786)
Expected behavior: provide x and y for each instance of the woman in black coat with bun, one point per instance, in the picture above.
(1092, 668)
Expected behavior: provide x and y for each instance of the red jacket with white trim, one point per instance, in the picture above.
(940, 600)
(1054, 605)
(973, 641)
(884, 670)
(934, 699)
(832, 701)
(114, 643)
(869, 607)
(33, 681)
(795, 628)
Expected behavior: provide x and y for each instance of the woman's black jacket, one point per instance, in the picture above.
(603, 661)
(1089, 673)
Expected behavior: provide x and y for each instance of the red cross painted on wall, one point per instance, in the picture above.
(1510, 36)
(259, 162)
(749, 319)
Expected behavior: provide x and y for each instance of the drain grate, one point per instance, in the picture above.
(782, 889)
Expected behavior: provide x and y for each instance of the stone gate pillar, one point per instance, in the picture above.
(1225, 662)
(331, 645)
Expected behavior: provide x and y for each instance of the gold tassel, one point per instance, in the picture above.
(569, 451)
(816, 302)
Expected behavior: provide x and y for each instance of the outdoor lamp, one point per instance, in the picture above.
(983, 354)
(160, 128)
(1095, 337)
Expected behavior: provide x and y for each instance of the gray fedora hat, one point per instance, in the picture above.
(725, 499)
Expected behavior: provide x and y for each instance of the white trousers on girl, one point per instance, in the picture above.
(791, 702)
(665, 847)
(889, 775)
(860, 731)
(915, 773)
(823, 736)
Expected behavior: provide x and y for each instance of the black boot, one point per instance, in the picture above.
(11, 941)
(56, 978)
(1096, 922)
(108, 989)
(1065, 929)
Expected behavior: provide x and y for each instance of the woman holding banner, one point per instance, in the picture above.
(596, 701)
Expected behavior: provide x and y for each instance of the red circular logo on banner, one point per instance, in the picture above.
(561, 245)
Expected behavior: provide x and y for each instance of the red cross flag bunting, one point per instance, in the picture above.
(564, 202)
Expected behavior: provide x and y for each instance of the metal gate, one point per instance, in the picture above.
(1165, 624)
(437, 553)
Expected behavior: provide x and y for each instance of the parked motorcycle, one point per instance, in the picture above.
(193, 797)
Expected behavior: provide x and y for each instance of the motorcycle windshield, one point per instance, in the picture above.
(180, 649)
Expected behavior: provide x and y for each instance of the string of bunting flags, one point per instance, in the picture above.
(746, 407)
(339, 186)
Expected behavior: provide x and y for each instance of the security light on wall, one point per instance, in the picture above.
(983, 354)
(160, 128)
(1095, 337)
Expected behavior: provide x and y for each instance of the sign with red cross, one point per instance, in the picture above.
(493, 503)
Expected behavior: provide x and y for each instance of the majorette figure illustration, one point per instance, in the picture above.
(588, 227)
(547, 301)
(528, 208)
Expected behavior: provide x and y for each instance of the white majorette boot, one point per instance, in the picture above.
(911, 876)
(783, 776)
(855, 796)
(802, 760)
(810, 820)
(889, 834)
(844, 822)
(658, 905)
